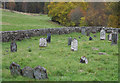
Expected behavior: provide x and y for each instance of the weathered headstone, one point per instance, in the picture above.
(90, 38)
(13, 46)
(69, 40)
(74, 45)
(102, 34)
(48, 38)
(15, 69)
(88, 33)
(83, 30)
(110, 37)
(114, 38)
(43, 42)
(40, 73)
(27, 72)
(83, 59)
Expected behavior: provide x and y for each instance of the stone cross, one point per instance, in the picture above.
(15, 69)
(48, 37)
(114, 38)
(40, 73)
(13, 46)
(83, 30)
(102, 34)
(74, 45)
(42, 42)
(27, 72)
(69, 40)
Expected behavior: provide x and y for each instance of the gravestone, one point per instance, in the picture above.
(114, 38)
(90, 38)
(79, 37)
(83, 59)
(74, 45)
(27, 72)
(15, 69)
(13, 46)
(88, 33)
(94, 36)
(83, 30)
(102, 34)
(110, 37)
(48, 37)
(93, 31)
(42, 42)
(69, 40)
(40, 73)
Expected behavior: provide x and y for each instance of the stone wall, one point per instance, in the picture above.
(22, 34)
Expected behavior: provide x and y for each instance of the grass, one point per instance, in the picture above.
(12, 21)
(61, 63)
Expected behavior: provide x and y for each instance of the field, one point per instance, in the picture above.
(61, 63)
(12, 21)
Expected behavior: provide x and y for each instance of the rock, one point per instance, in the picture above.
(27, 72)
(15, 69)
(95, 48)
(74, 45)
(43, 42)
(40, 73)
(83, 59)
(101, 53)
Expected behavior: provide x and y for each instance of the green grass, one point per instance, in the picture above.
(13, 21)
(61, 63)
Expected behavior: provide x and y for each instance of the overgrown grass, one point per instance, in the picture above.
(61, 63)
(14, 21)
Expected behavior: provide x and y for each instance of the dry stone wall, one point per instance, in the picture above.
(23, 34)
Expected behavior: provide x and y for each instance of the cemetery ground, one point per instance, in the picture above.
(61, 63)
(12, 21)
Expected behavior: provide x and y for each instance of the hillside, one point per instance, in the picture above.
(12, 21)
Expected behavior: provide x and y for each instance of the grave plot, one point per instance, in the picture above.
(61, 63)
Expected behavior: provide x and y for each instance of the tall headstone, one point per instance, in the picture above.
(110, 37)
(40, 73)
(114, 38)
(69, 40)
(102, 34)
(13, 46)
(74, 45)
(83, 30)
(27, 72)
(42, 42)
(48, 37)
(15, 69)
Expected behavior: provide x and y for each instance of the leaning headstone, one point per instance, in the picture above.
(114, 38)
(83, 59)
(69, 40)
(48, 38)
(13, 46)
(27, 72)
(43, 42)
(83, 30)
(40, 73)
(90, 38)
(15, 69)
(110, 37)
(74, 45)
(102, 34)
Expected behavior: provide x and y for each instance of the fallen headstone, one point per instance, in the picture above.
(15, 69)
(74, 45)
(95, 48)
(83, 59)
(27, 72)
(40, 73)
(102, 53)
